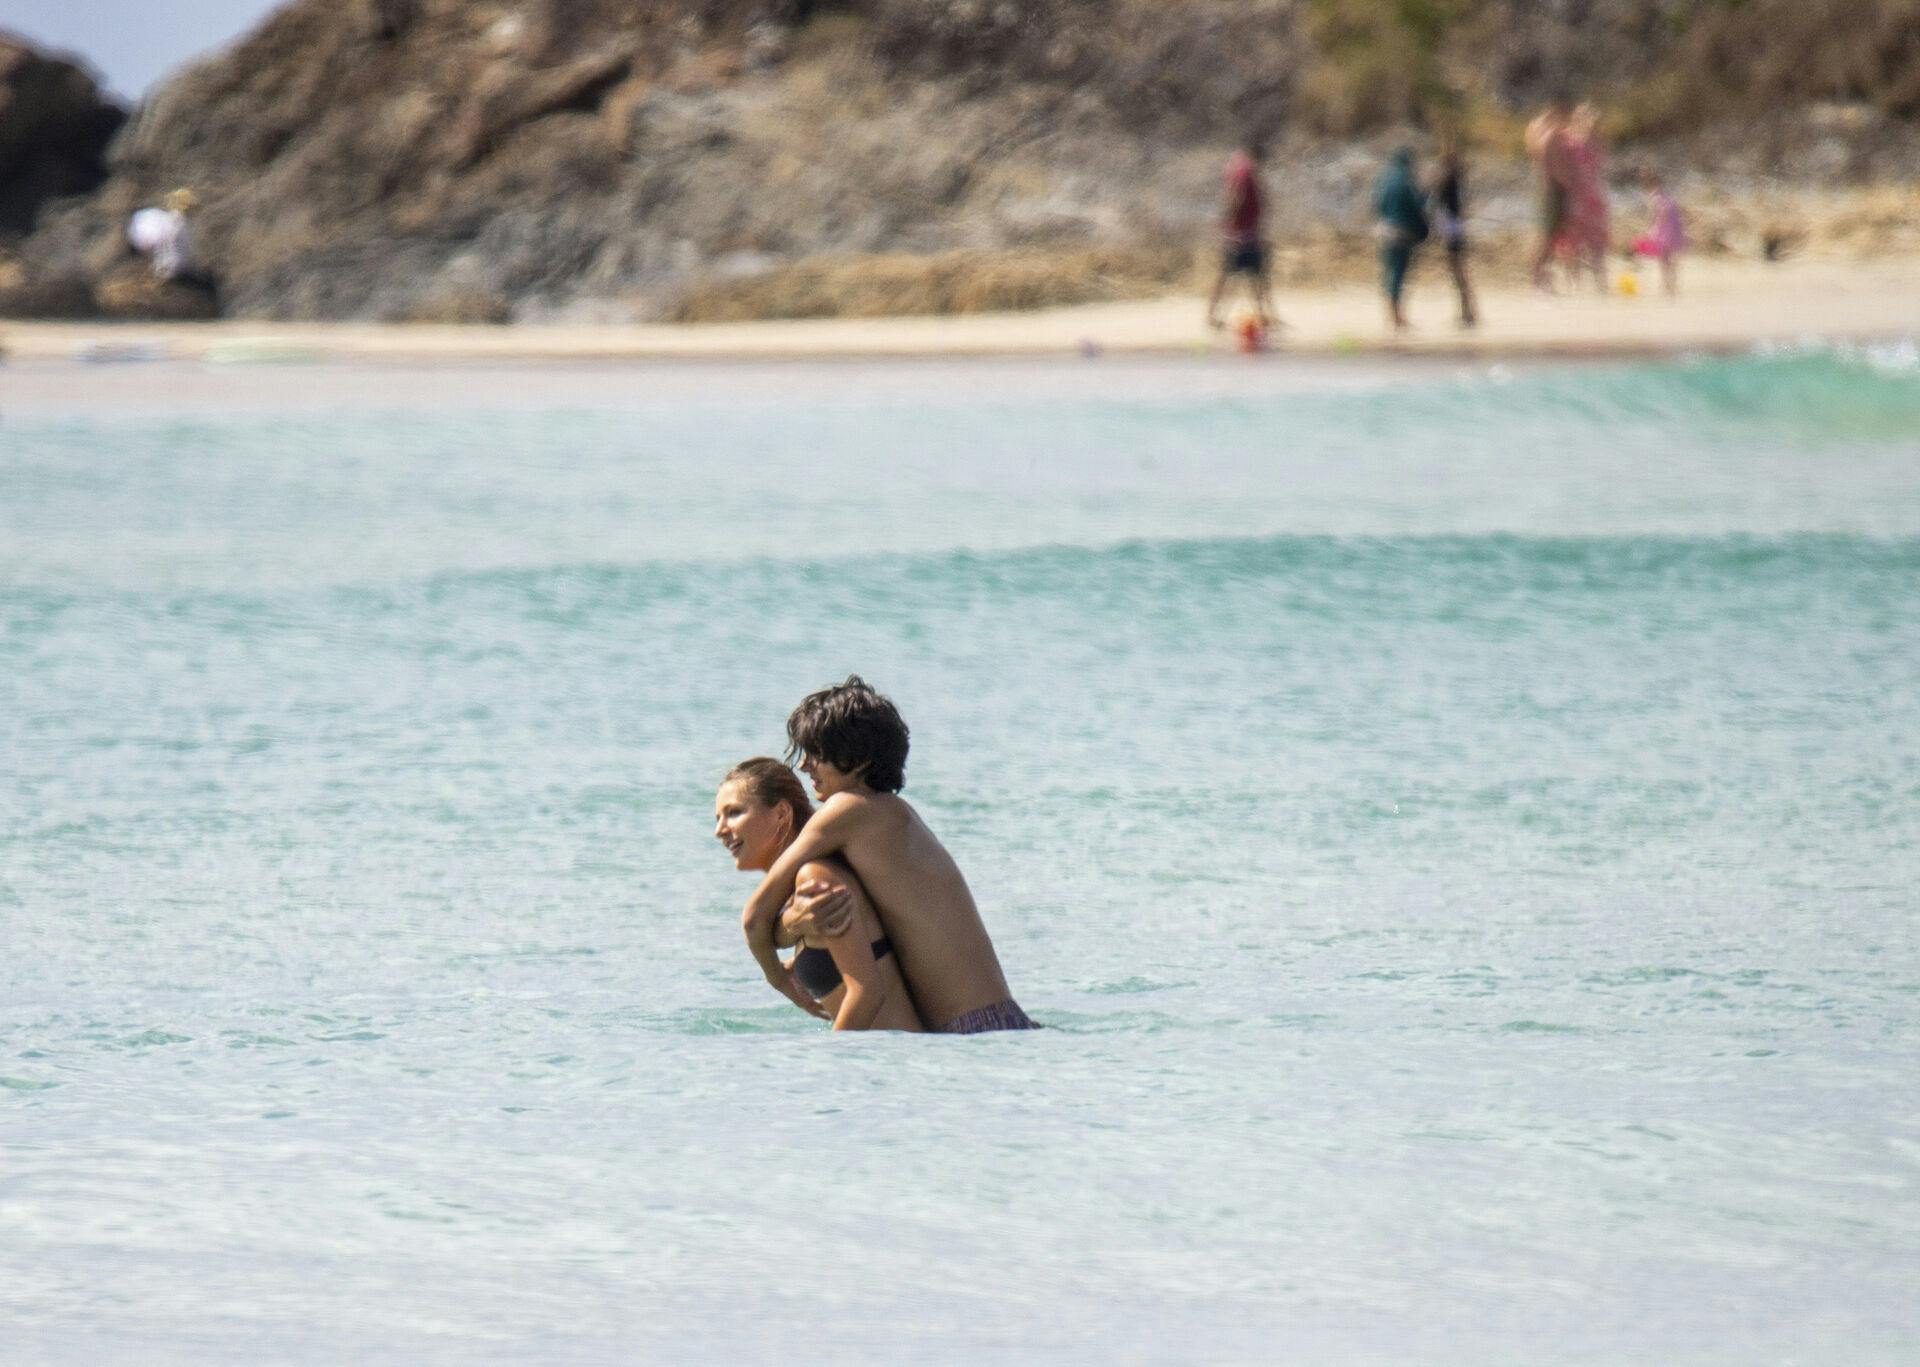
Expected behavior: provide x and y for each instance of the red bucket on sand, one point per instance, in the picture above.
(1251, 335)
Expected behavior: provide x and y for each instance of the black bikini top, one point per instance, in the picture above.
(819, 974)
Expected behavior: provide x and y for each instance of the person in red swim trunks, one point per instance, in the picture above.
(1243, 249)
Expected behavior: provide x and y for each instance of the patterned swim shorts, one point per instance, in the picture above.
(1005, 1015)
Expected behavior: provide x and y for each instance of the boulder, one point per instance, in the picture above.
(55, 124)
(134, 292)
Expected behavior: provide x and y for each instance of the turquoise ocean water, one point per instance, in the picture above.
(1463, 830)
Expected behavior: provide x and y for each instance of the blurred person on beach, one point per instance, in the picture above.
(852, 742)
(852, 978)
(1400, 213)
(1449, 202)
(1548, 147)
(1666, 235)
(1243, 250)
(1586, 225)
(162, 235)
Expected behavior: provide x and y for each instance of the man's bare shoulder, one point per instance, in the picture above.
(867, 811)
(846, 805)
(868, 801)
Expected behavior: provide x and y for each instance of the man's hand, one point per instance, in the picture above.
(823, 910)
(789, 987)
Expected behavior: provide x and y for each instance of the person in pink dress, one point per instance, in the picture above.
(1584, 232)
(1547, 139)
(1666, 235)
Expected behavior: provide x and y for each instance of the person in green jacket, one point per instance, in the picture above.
(1402, 213)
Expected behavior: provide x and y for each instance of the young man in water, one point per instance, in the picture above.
(853, 745)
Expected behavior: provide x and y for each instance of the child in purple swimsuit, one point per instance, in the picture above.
(1666, 236)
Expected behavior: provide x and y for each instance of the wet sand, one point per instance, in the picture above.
(53, 388)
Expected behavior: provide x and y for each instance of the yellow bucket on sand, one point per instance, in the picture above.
(1628, 285)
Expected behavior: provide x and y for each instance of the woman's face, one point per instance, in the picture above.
(753, 833)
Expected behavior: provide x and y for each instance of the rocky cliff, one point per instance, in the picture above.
(445, 159)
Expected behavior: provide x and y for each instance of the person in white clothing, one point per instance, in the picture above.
(159, 233)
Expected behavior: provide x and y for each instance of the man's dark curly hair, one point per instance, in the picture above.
(856, 730)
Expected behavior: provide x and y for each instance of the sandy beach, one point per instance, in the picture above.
(1724, 306)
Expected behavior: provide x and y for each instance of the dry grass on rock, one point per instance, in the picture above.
(979, 281)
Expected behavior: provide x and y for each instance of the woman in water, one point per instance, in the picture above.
(758, 811)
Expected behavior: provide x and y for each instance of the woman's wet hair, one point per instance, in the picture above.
(772, 784)
(856, 730)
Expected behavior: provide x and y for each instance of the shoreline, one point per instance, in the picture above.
(1724, 306)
